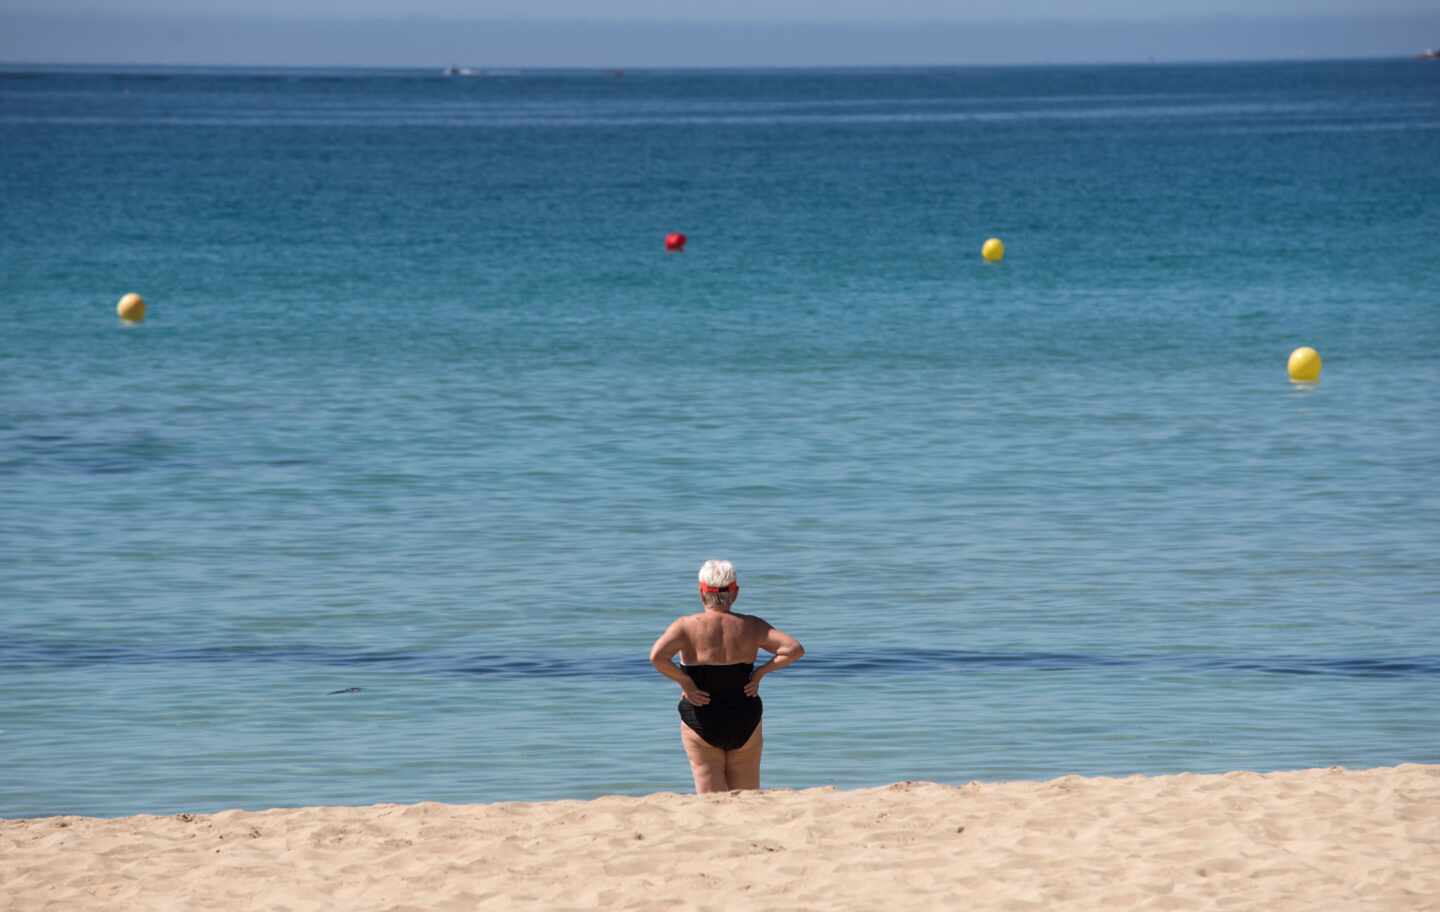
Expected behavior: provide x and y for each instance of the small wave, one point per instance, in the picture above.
(39, 653)
(122, 454)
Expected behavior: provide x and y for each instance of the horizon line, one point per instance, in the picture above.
(482, 70)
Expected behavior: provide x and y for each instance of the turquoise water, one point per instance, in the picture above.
(423, 409)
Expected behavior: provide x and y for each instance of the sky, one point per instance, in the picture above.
(665, 33)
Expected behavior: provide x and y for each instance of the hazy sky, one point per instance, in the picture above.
(732, 10)
(679, 32)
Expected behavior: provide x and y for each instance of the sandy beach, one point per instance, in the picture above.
(1305, 840)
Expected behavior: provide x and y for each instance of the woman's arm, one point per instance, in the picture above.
(787, 651)
(662, 656)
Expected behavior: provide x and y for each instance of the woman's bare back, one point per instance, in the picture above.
(721, 638)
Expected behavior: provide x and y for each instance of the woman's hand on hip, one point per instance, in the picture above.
(752, 687)
(695, 696)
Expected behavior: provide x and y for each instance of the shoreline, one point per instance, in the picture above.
(1305, 839)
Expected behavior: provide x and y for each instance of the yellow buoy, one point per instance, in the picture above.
(1304, 365)
(131, 308)
(994, 250)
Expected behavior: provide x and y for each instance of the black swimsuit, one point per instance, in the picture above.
(729, 719)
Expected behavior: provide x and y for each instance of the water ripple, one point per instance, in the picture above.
(39, 654)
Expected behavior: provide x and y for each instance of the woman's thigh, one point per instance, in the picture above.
(742, 766)
(707, 762)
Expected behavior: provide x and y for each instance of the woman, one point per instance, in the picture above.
(720, 707)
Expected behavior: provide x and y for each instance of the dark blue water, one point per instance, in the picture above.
(425, 436)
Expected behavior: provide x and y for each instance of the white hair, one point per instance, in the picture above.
(717, 574)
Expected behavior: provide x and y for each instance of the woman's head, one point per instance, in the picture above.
(718, 588)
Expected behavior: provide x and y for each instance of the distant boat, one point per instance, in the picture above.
(460, 71)
(1429, 54)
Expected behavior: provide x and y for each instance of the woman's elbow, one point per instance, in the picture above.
(797, 651)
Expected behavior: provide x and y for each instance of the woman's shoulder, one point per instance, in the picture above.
(686, 622)
(753, 620)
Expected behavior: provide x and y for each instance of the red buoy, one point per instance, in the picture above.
(675, 242)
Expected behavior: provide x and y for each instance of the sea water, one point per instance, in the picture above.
(425, 435)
